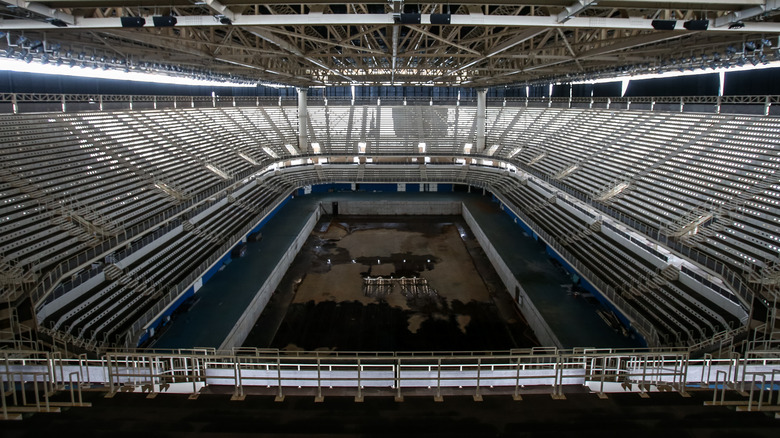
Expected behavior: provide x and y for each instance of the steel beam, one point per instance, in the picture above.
(570, 11)
(744, 14)
(303, 120)
(636, 4)
(387, 19)
(221, 9)
(394, 62)
(481, 114)
(519, 39)
(42, 9)
(284, 45)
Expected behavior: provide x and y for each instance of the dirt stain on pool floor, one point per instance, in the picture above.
(398, 283)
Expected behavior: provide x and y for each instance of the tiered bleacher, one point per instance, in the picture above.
(679, 314)
(142, 202)
(709, 180)
(76, 186)
(128, 289)
(392, 129)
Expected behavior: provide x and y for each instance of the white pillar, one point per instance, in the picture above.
(303, 120)
(481, 114)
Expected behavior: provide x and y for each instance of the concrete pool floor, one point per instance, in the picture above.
(449, 306)
(221, 301)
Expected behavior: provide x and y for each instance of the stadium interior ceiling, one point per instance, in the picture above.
(392, 42)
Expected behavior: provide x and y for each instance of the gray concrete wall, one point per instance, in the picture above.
(391, 208)
(542, 331)
(244, 325)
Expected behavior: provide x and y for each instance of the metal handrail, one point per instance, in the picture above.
(62, 100)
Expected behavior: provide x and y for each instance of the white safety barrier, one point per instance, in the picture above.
(601, 370)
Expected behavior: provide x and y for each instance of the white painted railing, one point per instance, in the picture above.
(602, 370)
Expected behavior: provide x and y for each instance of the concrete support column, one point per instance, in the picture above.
(481, 114)
(303, 120)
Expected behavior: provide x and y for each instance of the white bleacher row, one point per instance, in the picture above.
(392, 129)
(105, 312)
(679, 167)
(686, 316)
(680, 315)
(41, 160)
(110, 307)
(117, 169)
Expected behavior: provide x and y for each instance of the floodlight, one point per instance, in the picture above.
(164, 21)
(441, 18)
(664, 24)
(133, 21)
(411, 18)
(696, 24)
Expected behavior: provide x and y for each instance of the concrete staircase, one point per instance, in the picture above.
(112, 272)
(13, 279)
(670, 273)
(208, 235)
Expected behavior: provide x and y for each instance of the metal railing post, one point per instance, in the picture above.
(516, 395)
(238, 392)
(398, 396)
(359, 397)
(319, 397)
(111, 390)
(438, 396)
(78, 388)
(3, 403)
(477, 395)
(279, 395)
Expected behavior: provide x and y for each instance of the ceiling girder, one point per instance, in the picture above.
(387, 19)
(744, 14)
(42, 9)
(284, 45)
(221, 9)
(487, 42)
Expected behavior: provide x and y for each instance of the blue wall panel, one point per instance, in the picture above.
(210, 273)
(583, 282)
(334, 187)
(184, 297)
(217, 266)
(270, 215)
(370, 187)
(342, 187)
(518, 221)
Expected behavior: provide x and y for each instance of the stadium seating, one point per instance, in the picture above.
(182, 178)
(677, 169)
